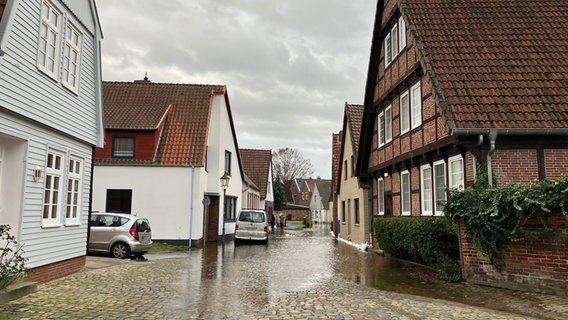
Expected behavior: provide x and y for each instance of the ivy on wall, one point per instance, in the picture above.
(497, 215)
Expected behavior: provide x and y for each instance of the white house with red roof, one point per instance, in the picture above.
(166, 148)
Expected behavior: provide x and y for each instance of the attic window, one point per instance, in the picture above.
(395, 41)
(123, 147)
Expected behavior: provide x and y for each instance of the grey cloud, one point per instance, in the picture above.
(289, 65)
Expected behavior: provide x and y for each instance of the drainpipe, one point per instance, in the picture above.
(90, 197)
(492, 138)
(191, 205)
(370, 209)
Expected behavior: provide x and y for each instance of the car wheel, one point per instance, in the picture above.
(120, 250)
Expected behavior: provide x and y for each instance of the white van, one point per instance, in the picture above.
(252, 225)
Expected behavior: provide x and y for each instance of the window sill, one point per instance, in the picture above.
(48, 225)
(72, 224)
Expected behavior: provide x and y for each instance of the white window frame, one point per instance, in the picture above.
(415, 105)
(387, 118)
(405, 112)
(403, 212)
(388, 50)
(423, 185)
(47, 27)
(74, 192)
(70, 47)
(437, 210)
(460, 183)
(381, 196)
(401, 34)
(53, 204)
(394, 41)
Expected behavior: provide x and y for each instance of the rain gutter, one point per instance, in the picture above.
(494, 133)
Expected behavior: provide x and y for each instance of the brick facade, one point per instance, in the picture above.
(515, 165)
(56, 270)
(540, 264)
(555, 162)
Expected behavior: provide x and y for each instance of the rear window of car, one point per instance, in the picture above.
(250, 216)
(103, 220)
(142, 225)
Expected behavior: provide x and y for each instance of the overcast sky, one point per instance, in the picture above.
(289, 65)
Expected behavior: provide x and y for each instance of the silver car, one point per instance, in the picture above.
(121, 235)
(252, 225)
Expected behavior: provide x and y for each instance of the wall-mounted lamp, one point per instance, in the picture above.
(37, 174)
(386, 174)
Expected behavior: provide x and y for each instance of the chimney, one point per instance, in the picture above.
(145, 80)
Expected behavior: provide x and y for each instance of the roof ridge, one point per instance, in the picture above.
(166, 83)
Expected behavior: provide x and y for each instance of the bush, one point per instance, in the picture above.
(496, 216)
(430, 241)
(12, 264)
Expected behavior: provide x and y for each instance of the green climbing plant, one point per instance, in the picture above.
(497, 215)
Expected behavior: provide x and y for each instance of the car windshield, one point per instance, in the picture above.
(248, 216)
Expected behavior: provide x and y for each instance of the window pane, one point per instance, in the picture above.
(123, 147)
(457, 174)
(416, 106)
(405, 192)
(427, 189)
(404, 113)
(381, 192)
(402, 33)
(394, 37)
(382, 129)
(388, 50)
(388, 124)
(440, 185)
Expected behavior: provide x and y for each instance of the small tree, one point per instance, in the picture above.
(12, 263)
(279, 197)
(288, 164)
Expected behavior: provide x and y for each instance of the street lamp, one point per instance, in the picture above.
(224, 185)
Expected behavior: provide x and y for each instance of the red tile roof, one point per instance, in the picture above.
(256, 164)
(495, 63)
(354, 112)
(138, 105)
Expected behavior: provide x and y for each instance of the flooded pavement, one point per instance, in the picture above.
(299, 274)
(299, 259)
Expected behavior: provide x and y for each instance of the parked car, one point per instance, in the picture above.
(121, 235)
(252, 225)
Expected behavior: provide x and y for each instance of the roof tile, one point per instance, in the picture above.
(500, 63)
(140, 105)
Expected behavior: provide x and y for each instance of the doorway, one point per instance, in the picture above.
(211, 221)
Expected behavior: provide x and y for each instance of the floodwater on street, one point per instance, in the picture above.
(232, 277)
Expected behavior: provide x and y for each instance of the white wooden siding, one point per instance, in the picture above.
(27, 91)
(47, 245)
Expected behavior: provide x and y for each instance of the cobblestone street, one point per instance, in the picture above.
(244, 282)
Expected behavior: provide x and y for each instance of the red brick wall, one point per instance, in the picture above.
(515, 165)
(555, 162)
(540, 264)
(56, 270)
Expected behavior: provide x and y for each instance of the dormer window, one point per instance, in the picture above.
(395, 41)
(123, 147)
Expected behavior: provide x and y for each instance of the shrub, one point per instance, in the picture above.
(496, 216)
(12, 264)
(431, 241)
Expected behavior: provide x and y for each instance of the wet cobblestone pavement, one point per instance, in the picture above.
(291, 278)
